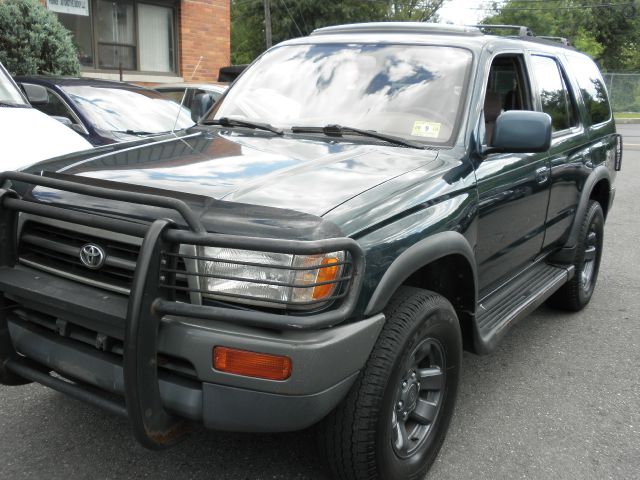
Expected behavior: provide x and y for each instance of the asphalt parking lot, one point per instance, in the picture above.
(559, 399)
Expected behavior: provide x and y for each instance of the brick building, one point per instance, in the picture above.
(152, 41)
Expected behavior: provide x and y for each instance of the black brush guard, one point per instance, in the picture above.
(149, 301)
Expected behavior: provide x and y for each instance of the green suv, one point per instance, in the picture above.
(360, 206)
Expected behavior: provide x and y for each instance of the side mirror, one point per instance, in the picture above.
(521, 131)
(200, 105)
(36, 94)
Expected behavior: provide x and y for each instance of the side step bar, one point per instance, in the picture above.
(517, 299)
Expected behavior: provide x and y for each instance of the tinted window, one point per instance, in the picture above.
(404, 90)
(592, 89)
(554, 95)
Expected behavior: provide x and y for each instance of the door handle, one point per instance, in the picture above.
(542, 175)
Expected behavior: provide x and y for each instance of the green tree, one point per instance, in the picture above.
(414, 10)
(33, 41)
(608, 33)
(296, 18)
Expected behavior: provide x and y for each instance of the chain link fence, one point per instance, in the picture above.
(624, 91)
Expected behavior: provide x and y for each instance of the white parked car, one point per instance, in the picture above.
(29, 136)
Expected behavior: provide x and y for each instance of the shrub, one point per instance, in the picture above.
(33, 41)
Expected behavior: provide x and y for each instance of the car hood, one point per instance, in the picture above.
(312, 176)
(29, 136)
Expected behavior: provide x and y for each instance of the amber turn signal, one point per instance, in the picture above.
(251, 364)
(326, 274)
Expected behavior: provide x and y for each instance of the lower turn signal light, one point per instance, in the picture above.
(251, 364)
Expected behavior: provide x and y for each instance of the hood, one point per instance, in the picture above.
(310, 176)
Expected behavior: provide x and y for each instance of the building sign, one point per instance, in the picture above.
(73, 7)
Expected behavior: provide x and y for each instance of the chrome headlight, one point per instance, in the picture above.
(274, 279)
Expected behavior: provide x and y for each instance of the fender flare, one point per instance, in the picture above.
(599, 173)
(414, 258)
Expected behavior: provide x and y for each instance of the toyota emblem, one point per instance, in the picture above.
(92, 256)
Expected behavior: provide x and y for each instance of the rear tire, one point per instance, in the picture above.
(392, 423)
(576, 293)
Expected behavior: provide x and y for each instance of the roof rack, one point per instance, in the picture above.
(562, 40)
(509, 31)
(520, 30)
(399, 27)
(524, 33)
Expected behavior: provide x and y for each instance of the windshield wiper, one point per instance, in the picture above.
(340, 130)
(135, 132)
(234, 122)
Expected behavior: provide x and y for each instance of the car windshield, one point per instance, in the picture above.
(9, 94)
(411, 91)
(123, 110)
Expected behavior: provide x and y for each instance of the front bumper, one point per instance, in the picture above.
(149, 356)
(218, 406)
(325, 362)
(320, 358)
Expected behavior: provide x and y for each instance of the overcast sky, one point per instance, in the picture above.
(462, 12)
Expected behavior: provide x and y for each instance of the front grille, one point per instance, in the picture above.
(51, 327)
(57, 250)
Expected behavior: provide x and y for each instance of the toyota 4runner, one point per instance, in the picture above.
(359, 207)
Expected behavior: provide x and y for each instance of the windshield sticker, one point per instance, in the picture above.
(425, 129)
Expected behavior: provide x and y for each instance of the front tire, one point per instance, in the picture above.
(392, 423)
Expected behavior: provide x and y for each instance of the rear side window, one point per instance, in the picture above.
(554, 93)
(592, 89)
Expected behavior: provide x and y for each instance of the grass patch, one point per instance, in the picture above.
(626, 115)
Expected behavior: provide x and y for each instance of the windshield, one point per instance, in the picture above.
(122, 110)
(9, 94)
(412, 91)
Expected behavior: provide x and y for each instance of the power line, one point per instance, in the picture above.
(557, 7)
(267, 23)
(291, 17)
(281, 12)
(536, 1)
(304, 21)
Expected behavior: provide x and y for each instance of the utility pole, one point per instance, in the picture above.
(267, 21)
